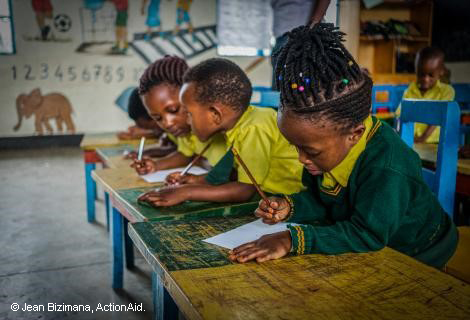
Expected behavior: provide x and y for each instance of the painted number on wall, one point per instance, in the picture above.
(94, 73)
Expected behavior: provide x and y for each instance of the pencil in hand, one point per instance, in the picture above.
(174, 178)
(261, 192)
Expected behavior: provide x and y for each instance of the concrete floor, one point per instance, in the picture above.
(49, 253)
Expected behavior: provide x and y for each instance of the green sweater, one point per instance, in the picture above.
(386, 203)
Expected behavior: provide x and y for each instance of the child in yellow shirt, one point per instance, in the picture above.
(216, 94)
(159, 89)
(429, 67)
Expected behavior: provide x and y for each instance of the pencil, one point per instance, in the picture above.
(141, 148)
(261, 193)
(189, 166)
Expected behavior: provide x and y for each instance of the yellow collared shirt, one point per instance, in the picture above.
(440, 91)
(190, 145)
(340, 174)
(272, 161)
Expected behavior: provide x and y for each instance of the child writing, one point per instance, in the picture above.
(216, 94)
(159, 88)
(144, 127)
(429, 69)
(364, 185)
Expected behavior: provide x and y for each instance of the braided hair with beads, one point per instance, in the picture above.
(319, 78)
(168, 70)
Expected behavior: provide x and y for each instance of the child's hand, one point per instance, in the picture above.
(124, 135)
(165, 197)
(277, 210)
(138, 133)
(268, 247)
(131, 155)
(175, 179)
(144, 166)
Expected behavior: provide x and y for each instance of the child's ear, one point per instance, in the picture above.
(356, 133)
(216, 113)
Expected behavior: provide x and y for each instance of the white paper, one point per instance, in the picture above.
(160, 176)
(246, 233)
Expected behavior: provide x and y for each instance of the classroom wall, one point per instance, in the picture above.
(460, 71)
(92, 79)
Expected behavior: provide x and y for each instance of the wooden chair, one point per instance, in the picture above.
(445, 114)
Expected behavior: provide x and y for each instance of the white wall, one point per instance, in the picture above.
(92, 101)
(460, 71)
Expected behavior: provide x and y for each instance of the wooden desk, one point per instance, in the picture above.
(123, 186)
(89, 144)
(428, 153)
(107, 139)
(112, 180)
(206, 285)
(113, 157)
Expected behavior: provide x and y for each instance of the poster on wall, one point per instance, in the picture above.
(236, 21)
(250, 28)
(75, 59)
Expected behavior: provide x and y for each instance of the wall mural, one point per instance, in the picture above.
(47, 22)
(45, 107)
(184, 39)
(85, 53)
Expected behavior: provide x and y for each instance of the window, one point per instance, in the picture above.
(7, 35)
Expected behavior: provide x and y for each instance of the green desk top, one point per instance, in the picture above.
(178, 245)
(188, 210)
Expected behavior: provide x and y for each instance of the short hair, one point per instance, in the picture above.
(220, 80)
(167, 70)
(318, 78)
(135, 107)
(429, 53)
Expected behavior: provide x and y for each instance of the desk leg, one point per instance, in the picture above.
(164, 308)
(90, 191)
(106, 202)
(116, 248)
(128, 247)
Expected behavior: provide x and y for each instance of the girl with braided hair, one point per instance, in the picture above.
(159, 89)
(365, 188)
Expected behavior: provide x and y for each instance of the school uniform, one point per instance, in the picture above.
(375, 197)
(190, 145)
(440, 91)
(272, 161)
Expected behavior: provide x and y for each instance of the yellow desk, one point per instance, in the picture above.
(122, 187)
(113, 157)
(107, 139)
(428, 153)
(113, 180)
(89, 144)
(206, 285)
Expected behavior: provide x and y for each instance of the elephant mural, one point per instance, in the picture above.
(52, 105)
